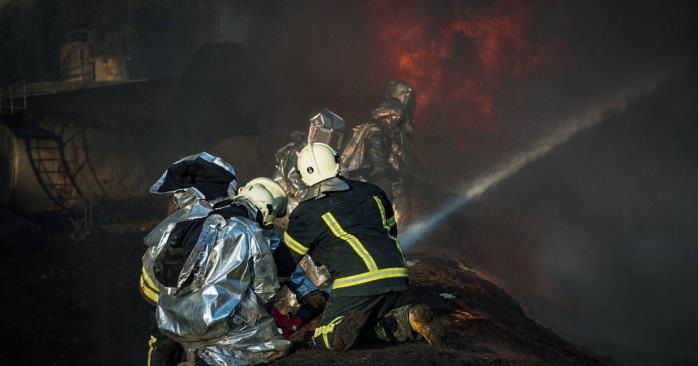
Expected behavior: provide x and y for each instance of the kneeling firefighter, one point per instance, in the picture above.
(311, 299)
(218, 278)
(196, 183)
(349, 226)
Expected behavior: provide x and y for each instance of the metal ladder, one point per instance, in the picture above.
(46, 143)
(57, 174)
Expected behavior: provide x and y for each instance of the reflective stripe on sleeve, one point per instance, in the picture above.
(151, 346)
(370, 276)
(149, 282)
(294, 245)
(353, 241)
(387, 225)
(148, 292)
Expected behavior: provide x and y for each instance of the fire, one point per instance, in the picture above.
(464, 315)
(464, 58)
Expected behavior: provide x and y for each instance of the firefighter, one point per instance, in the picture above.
(324, 126)
(311, 299)
(349, 226)
(381, 150)
(195, 183)
(219, 279)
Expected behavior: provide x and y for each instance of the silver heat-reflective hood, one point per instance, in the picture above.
(217, 308)
(189, 207)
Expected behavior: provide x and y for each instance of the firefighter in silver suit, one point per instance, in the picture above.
(381, 150)
(218, 281)
(326, 127)
(196, 183)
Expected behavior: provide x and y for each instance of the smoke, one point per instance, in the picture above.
(490, 76)
(565, 131)
(3, 3)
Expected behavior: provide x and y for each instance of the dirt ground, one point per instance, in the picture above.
(68, 303)
(485, 327)
(77, 303)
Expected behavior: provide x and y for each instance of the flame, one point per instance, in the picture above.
(464, 59)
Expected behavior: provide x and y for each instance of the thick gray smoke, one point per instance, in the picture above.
(565, 131)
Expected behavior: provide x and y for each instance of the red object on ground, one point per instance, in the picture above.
(287, 324)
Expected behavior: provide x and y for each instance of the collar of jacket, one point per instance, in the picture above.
(319, 189)
(238, 206)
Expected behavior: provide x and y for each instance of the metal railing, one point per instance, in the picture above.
(10, 95)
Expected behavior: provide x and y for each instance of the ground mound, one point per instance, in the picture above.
(485, 327)
(69, 302)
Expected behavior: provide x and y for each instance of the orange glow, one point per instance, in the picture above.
(465, 315)
(464, 58)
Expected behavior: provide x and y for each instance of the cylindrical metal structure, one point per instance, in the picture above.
(8, 165)
(58, 162)
(51, 166)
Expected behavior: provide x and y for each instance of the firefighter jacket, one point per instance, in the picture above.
(349, 227)
(218, 276)
(195, 182)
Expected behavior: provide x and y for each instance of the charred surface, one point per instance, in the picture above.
(485, 326)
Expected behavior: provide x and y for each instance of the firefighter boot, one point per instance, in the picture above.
(423, 321)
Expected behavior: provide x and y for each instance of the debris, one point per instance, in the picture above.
(412, 263)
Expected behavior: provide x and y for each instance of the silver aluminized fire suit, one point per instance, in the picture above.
(218, 276)
(195, 183)
(324, 126)
(213, 306)
(381, 150)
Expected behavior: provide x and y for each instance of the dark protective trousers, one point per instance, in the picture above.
(384, 322)
(162, 350)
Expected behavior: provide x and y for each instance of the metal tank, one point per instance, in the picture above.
(50, 165)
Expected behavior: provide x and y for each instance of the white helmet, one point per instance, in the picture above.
(280, 201)
(317, 162)
(261, 198)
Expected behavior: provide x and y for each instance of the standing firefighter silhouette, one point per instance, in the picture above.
(381, 150)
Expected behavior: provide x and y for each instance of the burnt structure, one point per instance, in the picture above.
(76, 142)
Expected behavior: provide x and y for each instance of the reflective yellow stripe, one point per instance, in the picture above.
(151, 346)
(387, 225)
(370, 276)
(351, 239)
(325, 330)
(148, 292)
(326, 340)
(379, 329)
(148, 281)
(381, 209)
(294, 245)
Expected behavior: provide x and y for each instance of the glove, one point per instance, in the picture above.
(315, 299)
(287, 324)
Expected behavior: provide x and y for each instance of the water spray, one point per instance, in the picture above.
(565, 131)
